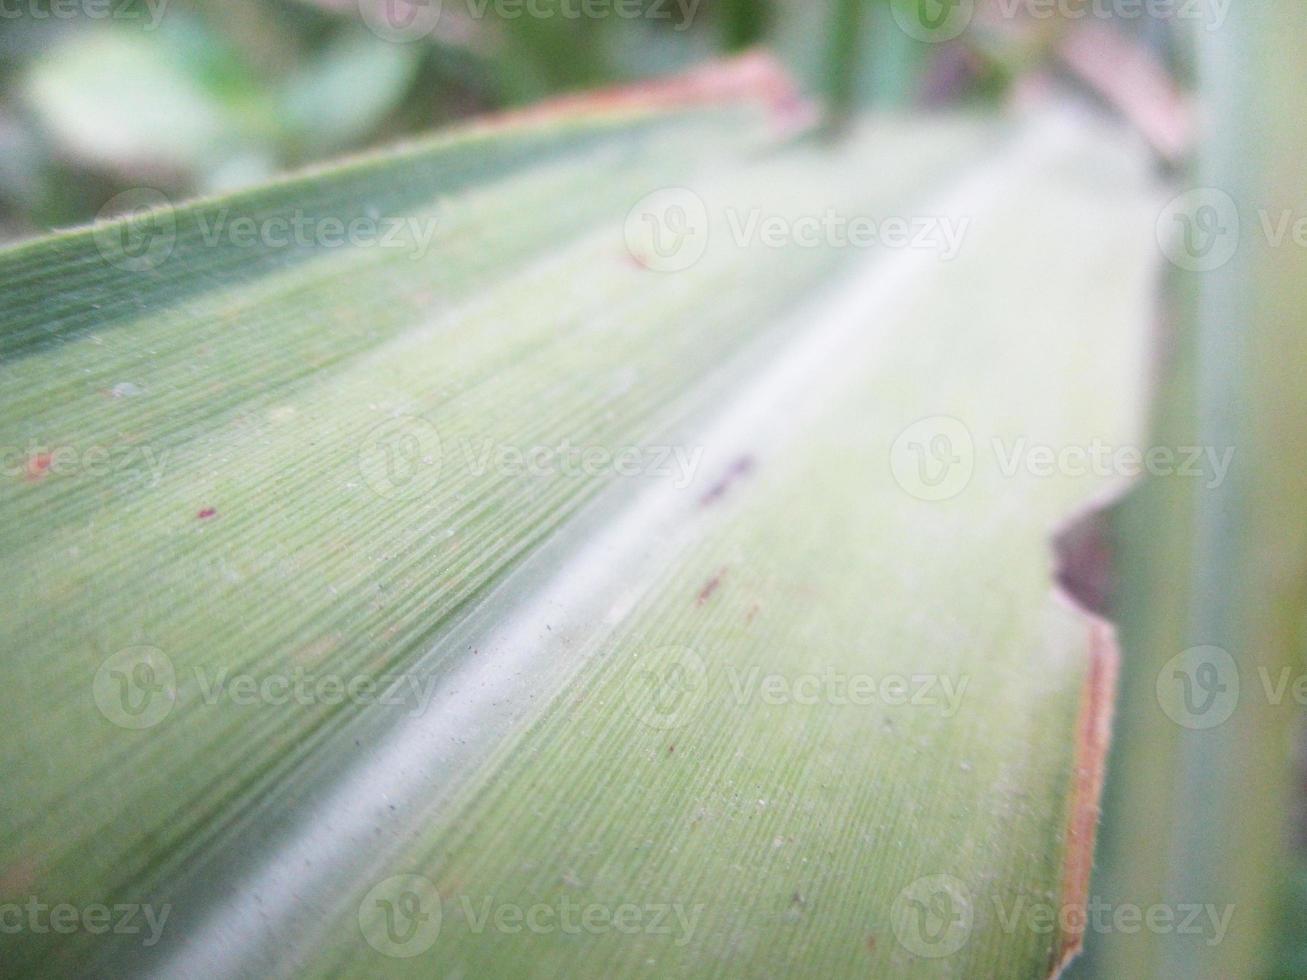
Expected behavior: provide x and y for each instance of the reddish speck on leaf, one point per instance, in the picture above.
(208, 512)
(39, 465)
(706, 592)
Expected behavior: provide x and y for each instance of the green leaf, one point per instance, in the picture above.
(317, 618)
(1206, 807)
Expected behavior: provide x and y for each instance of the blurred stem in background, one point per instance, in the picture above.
(1197, 814)
(745, 23)
(845, 46)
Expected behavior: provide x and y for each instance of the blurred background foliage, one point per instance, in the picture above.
(195, 96)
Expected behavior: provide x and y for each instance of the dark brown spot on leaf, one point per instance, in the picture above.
(711, 586)
(741, 468)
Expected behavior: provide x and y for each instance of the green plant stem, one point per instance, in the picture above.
(1198, 816)
(843, 61)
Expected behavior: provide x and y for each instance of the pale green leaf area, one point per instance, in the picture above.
(1213, 813)
(784, 826)
(251, 524)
